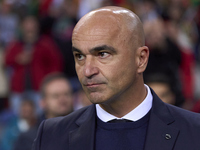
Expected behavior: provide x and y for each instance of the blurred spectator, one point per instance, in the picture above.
(31, 57)
(197, 21)
(17, 125)
(57, 96)
(57, 100)
(8, 23)
(165, 55)
(162, 86)
(196, 107)
(3, 80)
(62, 33)
(80, 100)
(146, 10)
(5, 117)
(87, 5)
(49, 7)
(182, 30)
(25, 7)
(25, 139)
(49, 11)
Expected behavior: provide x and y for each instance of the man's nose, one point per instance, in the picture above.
(90, 68)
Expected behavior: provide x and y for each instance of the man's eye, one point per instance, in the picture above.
(79, 56)
(103, 54)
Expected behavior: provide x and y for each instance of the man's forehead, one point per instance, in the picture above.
(100, 23)
(98, 29)
(114, 23)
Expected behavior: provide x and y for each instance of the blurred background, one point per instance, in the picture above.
(37, 74)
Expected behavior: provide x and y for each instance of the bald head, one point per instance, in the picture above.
(121, 22)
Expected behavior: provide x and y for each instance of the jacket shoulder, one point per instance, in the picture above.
(51, 129)
(184, 115)
(65, 120)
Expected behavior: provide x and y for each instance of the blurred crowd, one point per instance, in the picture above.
(37, 73)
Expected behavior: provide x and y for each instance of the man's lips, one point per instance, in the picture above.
(93, 84)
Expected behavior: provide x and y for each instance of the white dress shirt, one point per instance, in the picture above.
(136, 114)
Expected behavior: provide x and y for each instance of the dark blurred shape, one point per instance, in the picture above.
(62, 33)
(17, 125)
(165, 56)
(25, 140)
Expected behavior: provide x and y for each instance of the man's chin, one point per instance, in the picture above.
(97, 99)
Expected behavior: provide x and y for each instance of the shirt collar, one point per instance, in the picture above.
(136, 114)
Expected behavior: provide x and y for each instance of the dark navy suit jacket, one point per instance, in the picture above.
(170, 128)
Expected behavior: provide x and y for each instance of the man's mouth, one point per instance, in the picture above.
(93, 84)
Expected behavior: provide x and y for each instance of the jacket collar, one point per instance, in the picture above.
(160, 135)
(83, 136)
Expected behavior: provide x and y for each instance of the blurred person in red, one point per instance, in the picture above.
(19, 124)
(31, 57)
(57, 96)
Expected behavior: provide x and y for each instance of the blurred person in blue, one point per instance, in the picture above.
(57, 100)
(31, 58)
(110, 58)
(18, 124)
(9, 22)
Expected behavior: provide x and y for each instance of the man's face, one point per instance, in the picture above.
(58, 98)
(105, 61)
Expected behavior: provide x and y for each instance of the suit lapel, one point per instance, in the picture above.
(160, 134)
(83, 136)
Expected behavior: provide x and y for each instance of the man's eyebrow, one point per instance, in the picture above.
(103, 47)
(74, 49)
(96, 49)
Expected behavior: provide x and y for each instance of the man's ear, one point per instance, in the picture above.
(143, 56)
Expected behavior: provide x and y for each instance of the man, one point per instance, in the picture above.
(110, 57)
(57, 98)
